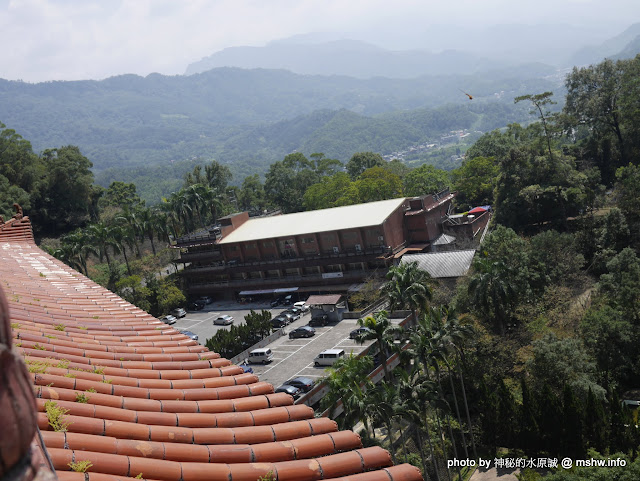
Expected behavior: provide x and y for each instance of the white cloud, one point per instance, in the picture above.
(78, 39)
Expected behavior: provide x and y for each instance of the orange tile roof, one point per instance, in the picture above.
(164, 406)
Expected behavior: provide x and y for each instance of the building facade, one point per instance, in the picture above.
(322, 250)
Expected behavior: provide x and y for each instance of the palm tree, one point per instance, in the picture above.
(212, 199)
(415, 391)
(171, 208)
(75, 250)
(147, 226)
(453, 335)
(383, 408)
(123, 236)
(101, 238)
(194, 197)
(384, 334)
(131, 220)
(66, 254)
(492, 290)
(178, 204)
(408, 286)
(425, 351)
(348, 380)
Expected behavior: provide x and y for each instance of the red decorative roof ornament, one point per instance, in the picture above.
(477, 210)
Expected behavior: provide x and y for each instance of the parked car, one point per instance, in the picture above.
(322, 320)
(169, 319)
(190, 334)
(302, 306)
(292, 390)
(276, 302)
(328, 357)
(305, 384)
(357, 332)
(223, 320)
(278, 322)
(290, 317)
(304, 331)
(288, 300)
(295, 310)
(206, 299)
(196, 306)
(179, 312)
(261, 356)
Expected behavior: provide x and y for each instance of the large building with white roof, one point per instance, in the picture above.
(327, 250)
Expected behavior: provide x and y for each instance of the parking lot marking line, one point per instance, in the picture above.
(312, 339)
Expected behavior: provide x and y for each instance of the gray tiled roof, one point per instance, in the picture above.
(444, 239)
(443, 264)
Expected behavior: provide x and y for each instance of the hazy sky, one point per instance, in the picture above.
(94, 39)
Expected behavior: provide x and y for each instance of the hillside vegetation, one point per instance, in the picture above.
(528, 356)
(230, 114)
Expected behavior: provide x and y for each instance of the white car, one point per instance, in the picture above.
(169, 319)
(301, 305)
(223, 320)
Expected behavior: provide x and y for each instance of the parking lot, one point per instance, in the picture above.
(201, 322)
(292, 357)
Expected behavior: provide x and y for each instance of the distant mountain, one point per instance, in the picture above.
(345, 57)
(610, 48)
(337, 134)
(630, 51)
(248, 118)
(409, 50)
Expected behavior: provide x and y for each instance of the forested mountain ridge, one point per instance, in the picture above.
(625, 45)
(345, 57)
(130, 120)
(337, 134)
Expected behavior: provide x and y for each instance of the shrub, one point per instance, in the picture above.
(55, 415)
(80, 466)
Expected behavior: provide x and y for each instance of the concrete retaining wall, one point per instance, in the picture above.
(267, 340)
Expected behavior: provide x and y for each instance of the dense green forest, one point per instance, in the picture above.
(247, 119)
(528, 356)
(338, 134)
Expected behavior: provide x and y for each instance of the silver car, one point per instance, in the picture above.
(223, 320)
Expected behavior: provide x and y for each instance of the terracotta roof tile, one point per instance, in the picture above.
(164, 406)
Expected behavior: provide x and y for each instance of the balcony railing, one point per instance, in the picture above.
(192, 256)
(348, 276)
(352, 255)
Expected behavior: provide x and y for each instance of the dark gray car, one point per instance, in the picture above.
(303, 331)
(292, 390)
(190, 334)
(303, 383)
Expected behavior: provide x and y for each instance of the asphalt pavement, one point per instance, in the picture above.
(292, 357)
